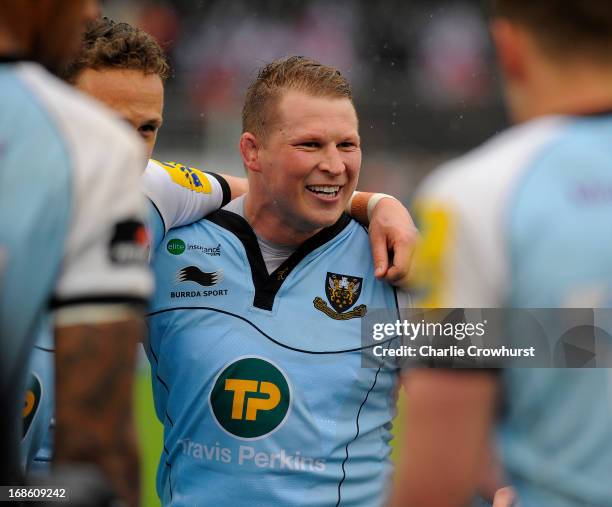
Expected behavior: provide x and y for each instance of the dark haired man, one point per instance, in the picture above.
(524, 222)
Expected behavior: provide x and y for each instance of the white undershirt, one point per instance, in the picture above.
(273, 254)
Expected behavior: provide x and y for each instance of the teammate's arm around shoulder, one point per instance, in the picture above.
(99, 301)
(393, 235)
(183, 194)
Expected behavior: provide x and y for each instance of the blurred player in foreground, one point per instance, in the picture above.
(125, 68)
(255, 332)
(71, 241)
(523, 221)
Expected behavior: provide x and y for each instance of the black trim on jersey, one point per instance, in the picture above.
(227, 191)
(167, 463)
(267, 285)
(346, 448)
(139, 302)
(13, 58)
(44, 349)
(165, 450)
(265, 335)
(159, 378)
(160, 216)
(397, 307)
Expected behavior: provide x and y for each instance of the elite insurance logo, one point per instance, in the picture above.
(251, 398)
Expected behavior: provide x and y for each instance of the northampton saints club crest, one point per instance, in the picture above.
(342, 292)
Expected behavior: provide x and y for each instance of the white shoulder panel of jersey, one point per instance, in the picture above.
(464, 205)
(107, 160)
(181, 194)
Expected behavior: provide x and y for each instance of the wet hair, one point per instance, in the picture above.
(292, 73)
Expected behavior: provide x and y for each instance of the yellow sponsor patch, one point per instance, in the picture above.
(429, 273)
(187, 177)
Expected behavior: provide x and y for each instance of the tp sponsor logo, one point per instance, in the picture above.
(251, 398)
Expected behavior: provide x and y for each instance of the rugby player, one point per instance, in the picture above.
(255, 347)
(125, 68)
(71, 241)
(524, 222)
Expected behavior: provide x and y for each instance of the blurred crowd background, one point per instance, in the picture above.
(422, 71)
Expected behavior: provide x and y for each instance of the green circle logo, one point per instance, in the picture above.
(251, 398)
(176, 246)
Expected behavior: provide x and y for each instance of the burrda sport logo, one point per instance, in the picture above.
(251, 398)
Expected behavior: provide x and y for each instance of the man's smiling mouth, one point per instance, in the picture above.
(324, 190)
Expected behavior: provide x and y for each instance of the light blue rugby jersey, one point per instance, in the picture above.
(258, 380)
(526, 222)
(38, 424)
(27, 229)
(556, 436)
(57, 249)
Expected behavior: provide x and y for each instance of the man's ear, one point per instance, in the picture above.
(249, 150)
(510, 42)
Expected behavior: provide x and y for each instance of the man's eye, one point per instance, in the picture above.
(310, 144)
(346, 144)
(148, 128)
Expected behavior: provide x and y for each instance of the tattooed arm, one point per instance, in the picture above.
(94, 419)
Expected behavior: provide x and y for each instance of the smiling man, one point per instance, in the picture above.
(125, 68)
(255, 352)
(288, 202)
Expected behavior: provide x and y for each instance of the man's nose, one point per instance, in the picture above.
(332, 161)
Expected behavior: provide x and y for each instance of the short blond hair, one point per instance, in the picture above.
(297, 73)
